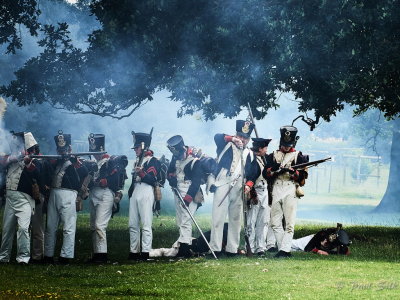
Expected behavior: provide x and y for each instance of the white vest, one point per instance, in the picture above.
(59, 174)
(100, 163)
(14, 173)
(285, 160)
(179, 171)
(260, 179)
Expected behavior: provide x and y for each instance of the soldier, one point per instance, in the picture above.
(37, 221)
(186, 172)
(259, 211)
(141, 194)
(22, 191)
(66, 182)
(228, 185)
(108, 183)
(324, 242)
(286, 180)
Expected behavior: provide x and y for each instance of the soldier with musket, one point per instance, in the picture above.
(66, 182)
(186, 173)
(235, 171)
(145, 177)
(22, 191)
(259, 210)
(106, 191)
(285, 187)
(37, 221)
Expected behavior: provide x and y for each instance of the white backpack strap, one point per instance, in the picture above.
(227, 146)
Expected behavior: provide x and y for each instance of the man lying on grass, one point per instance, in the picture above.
(326, 241)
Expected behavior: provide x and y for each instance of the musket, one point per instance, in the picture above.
(231, 185)
(311, 163)
(255, 128)
(246, 232)
(176, 191)
(139, 162)
(66, 156)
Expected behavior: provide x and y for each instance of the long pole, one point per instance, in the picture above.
(176, 191)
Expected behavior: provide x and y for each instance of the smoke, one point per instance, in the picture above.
(335, 138)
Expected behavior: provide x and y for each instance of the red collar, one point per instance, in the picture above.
(149, 153)
(291, 150)
(105, 156)
(189, 151)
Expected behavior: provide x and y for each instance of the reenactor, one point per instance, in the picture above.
(37, 221)
(259, 210)
(145, 177)
(22, 192)
(66, 182)
(285, 187)
(186, 172)
(105, 192)
(234, 172)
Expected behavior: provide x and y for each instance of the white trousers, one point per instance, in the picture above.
(301, 243)
(141, 211)
(61, 207)
(18, 210)
(37, 227)
(270, 237)
(101, 202)
(232, 205)
(183, 219)
(258, 219)
(284, 204)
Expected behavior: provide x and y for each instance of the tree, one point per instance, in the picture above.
(215, 56)
(13, 13)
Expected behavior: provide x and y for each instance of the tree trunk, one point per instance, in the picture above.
(391, 200)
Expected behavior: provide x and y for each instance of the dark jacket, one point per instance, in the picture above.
(221, 140)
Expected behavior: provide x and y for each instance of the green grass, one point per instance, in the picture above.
(372, 271)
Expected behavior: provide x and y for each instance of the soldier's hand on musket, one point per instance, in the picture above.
(27, 159)
(291, 170)
(237, 142)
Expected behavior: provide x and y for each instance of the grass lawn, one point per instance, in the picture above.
(372, 271)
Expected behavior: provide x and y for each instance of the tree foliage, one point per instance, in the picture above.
(215, 56)
(14, 13)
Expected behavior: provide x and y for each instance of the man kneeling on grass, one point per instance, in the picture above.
(324, 242)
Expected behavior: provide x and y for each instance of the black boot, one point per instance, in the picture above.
(283, 254)
(63, 261)
(98, 258)
(184, 250)
(144, 256)
(272, 250)
(230, 254)
(48, 260)
(134, 256)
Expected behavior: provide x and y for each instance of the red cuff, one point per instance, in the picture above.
(188, 198)
(295, 176)
(315, 250)
(113, 171)
(103, 182)
(78, 164)
(250, 183)
(141, 174)
(228, 138)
